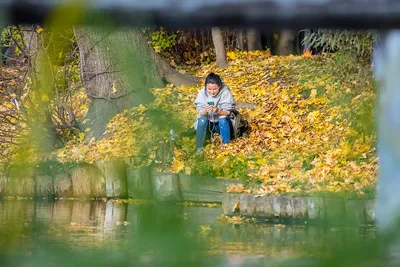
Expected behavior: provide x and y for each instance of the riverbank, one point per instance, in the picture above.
(118, 180)
(311, 127)
(109, 179)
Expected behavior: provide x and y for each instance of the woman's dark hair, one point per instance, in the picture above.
(213, 79)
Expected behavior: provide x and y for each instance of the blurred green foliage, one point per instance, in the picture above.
(12, 35)
(358, 43)
(161, 40)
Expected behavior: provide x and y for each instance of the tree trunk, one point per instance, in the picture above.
(254, 39)
(2, 54)
(219, 47)
(285, 45)
(42, 129)
(241, 39)
(269, 42)
(306, 40)
(170, 74)
(117, 70)
(33, 43)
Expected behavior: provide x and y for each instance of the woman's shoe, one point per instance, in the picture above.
(199, 150)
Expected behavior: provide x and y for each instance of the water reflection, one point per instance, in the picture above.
(85, 232)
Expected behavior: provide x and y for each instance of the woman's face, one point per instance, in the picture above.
(212, 89)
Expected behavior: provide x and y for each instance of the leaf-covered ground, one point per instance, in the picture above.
(311, 128)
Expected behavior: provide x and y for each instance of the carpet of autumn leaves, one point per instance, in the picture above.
(311, 127)
(11, 127)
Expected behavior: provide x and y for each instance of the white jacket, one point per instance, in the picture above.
(223, 100)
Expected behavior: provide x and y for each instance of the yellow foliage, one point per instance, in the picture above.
(307, 53)
(235, 188)
(9, 105)
(301, 138)
(39, 30)
(231, 55)
(205, 228)
(236, 220)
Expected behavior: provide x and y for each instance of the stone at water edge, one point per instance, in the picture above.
(355, 212)
(247, 204)
(115, 177)
(254, 205)
(21, 182)
(166, 186)
(335, 210)
(264, 206)
(98, 183)
(3, 184)
(139, 183)
(283, 207)
(370, 206)
(203, 189)
(229, 202)
(81, 182)
(300, 207)
(44, 186)
(62, 185)
(315, 208)
(87, 181)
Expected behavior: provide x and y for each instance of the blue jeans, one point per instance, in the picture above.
(223, 127)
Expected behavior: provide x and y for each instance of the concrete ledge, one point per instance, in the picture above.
(3, 184)
(114, 173)
(87, 181)
(44, 186)
(315, 208)
(369, 207)
(21, 182)
(63, 185)
(335, 210)
(203, 189)
(229, 202)
(166, 186)
(109, 179)
(121, 179)
(139, 183)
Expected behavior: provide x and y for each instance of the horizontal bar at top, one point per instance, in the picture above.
(265, 14)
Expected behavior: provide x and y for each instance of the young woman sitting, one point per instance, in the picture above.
(215, 104)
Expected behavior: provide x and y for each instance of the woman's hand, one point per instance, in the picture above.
(206, 110)
(211, 108)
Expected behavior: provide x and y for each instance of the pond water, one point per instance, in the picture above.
(96, 233)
